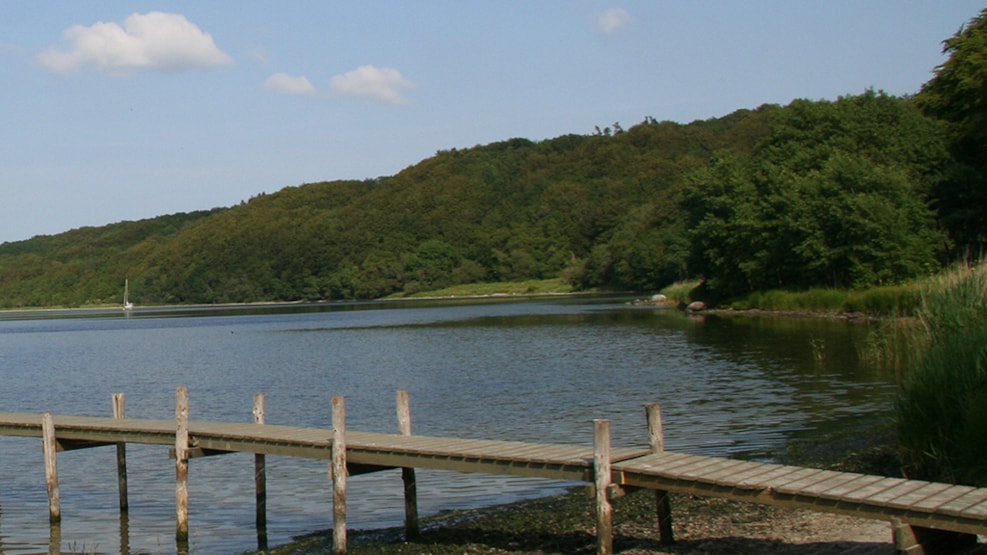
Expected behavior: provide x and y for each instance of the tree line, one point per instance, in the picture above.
(863, 190)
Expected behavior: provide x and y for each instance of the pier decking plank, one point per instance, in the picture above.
(939, 506)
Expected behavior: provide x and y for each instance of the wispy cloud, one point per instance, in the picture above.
(382, 84)
(155, 40)
(613, 20)
(287, 84)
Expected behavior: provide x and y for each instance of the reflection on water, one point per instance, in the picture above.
(539, 370)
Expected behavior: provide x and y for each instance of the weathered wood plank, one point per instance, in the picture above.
(884, 497)
(840, 480)
(934, 502)
(871, 489)
(976, 511)
(790, 477)
(416, 444)
(696, 466)
(912, 498)
(519, 451)
(809, 479)
(755, 479)
(672, 463)
(653, 462)
(731, 474)
(710, 473)
(838, 492)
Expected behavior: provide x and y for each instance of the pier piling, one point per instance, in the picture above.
(338, 475)
(50, 448)
(260, 479)
(181, 466)
(408, 474)
(601, 473)
(663, 506)
(119, 412)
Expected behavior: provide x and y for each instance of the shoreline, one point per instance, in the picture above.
(566, 523)
(13, 313)
(271, 304)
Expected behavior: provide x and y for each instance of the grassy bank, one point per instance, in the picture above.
(891, 300)
(529, 287)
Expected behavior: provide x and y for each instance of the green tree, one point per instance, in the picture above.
(835, 197)
(958, 95)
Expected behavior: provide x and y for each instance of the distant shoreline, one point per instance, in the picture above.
(437, 297)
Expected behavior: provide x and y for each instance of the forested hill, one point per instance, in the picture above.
(597, 209)
(816, 193)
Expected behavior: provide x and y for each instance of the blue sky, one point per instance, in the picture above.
(118, 110)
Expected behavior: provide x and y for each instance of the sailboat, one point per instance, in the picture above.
(127, 305)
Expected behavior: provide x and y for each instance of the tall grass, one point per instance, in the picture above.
(893, 343)
(886, 300)
(890, 300)
(941, 409)
(680, 291)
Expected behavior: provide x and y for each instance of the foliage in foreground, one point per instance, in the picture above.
(941, 410)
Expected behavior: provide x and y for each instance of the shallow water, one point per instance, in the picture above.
(538, 370)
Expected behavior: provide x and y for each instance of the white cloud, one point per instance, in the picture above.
(613, 19)
(376, 83)
(154, 40)
(286, 84)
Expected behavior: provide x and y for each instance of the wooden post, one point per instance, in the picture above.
(124, 533)
(50, 448)
(656, 437)
(55, 538)
(119, 412)
(601, 473)
(338, 472)
(408, 474)
(260, 479)
(181, 466)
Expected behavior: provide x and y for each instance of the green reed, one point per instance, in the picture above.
(941, 408)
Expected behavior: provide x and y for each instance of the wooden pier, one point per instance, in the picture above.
(926, 517)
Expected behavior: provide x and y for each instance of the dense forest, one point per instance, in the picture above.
(865, 190)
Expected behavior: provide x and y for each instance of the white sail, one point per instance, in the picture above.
(127, 305)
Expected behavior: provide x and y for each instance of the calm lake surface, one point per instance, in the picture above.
(538, 369)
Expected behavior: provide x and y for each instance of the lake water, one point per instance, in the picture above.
(539, 369)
